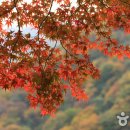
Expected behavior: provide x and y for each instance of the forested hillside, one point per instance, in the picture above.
(108, 97)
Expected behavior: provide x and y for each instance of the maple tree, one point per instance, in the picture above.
(47, 72)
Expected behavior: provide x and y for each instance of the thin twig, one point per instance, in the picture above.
(41, 24)
(50, 54)
(67, 50)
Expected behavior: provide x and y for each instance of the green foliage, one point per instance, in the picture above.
(61, 119)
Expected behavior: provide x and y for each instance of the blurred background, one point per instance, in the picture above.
(108, 97)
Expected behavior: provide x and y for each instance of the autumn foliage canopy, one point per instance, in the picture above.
(46, 71)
